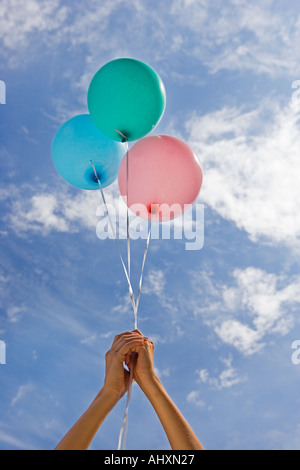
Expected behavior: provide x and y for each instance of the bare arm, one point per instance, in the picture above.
(80, 436)
(179, 433)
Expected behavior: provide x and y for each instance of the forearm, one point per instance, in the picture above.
(84, 430)
(179, 433)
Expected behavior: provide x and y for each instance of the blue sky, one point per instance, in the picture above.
(223, 318)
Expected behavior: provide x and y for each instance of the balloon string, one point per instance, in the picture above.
(128, 224)
(125, 140)
(125, 419)
(135, 304)
(142, 272)
(124, 427)
(128, 234)
(127, 200)
(116, 240)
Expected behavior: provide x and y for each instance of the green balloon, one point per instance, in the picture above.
(127, 98)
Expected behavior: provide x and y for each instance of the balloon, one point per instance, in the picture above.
(164, 177)
(76, 144)
(128, 96)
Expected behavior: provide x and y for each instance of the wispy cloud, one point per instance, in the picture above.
(20, 20)
(242, 337)
(224, 379)
(246, 314)
(7, 438)
(13, 313)
(44, 210)
(227, 378)
(251, 168)
(155, 283)
(238, 35)
(195, 305)
(260, 36)
(194, 397)
(22, 392)
(268, 307)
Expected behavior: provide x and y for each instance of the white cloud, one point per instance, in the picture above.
(227, 378)
(13, 313)
(258, 305)
(164, 373)
(155, 283)
(41, 214)
(48, 211)
(246, 314)
(241, 35)
(124, 306)
(233, 35)
(8, 439)
(268, 308)
(194, 397)
(20, 19)
(89, 340)
(81, 210)
(45, 210)
(251, 168)
(22, 392)
(261, 36)
(244, 338)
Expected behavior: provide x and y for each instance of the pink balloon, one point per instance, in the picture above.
(164, 178)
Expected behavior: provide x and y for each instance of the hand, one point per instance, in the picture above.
(116, 376)
(143, 363)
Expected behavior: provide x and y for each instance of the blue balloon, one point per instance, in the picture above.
(76, 144)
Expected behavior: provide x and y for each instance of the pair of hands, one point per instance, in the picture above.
(135, 351)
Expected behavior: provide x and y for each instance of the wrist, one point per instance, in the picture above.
(109, 395)
(150, 385)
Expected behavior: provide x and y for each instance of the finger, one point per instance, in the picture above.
(137, 331)
(120, 335)
(123, 340)
(149, 346)
(119, 339)
(130, 346)
(127, 342)
(140, 333)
